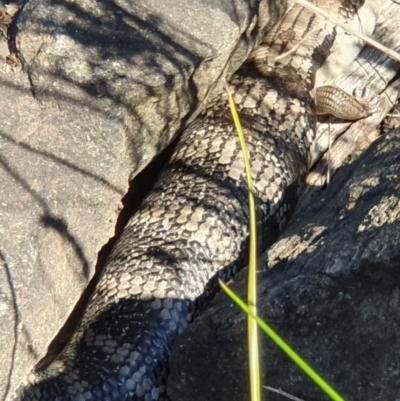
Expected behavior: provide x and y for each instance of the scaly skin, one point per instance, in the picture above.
(192, 228)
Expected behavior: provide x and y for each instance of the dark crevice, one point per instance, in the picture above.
(139, 188)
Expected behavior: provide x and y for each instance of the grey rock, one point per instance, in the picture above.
(332, 293)
(104, 87)
(142, 64)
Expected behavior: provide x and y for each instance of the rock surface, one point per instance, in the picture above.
(333, 293)
(105, 86)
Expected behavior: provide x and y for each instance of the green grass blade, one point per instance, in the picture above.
(284, 347)
(254, 358)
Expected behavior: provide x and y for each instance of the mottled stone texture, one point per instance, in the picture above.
(140, 64)
(333, 293)
(105, 86)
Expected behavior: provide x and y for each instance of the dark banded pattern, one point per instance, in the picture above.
(192, 228)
